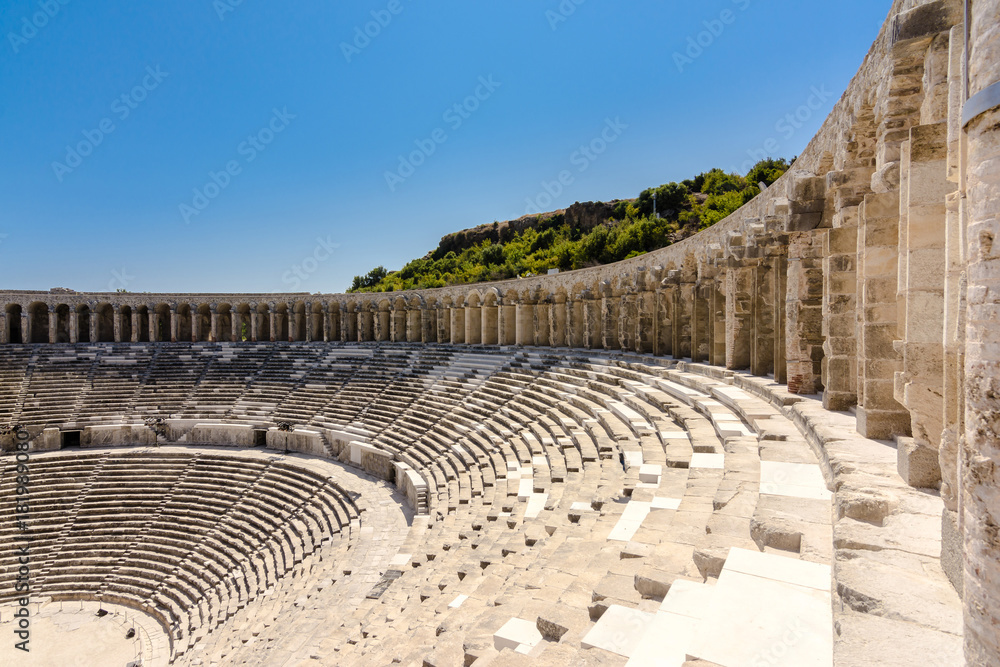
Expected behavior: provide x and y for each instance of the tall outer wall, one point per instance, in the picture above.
(869, 274)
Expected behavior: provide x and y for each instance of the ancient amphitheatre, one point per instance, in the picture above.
(774, 443)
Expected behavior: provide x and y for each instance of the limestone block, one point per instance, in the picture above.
(918, 463)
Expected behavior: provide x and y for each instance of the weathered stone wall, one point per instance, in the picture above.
(868, 273)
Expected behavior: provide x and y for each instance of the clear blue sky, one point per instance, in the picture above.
(113, 113)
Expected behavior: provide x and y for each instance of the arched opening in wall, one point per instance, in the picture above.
(366, 323)
(350, 323)
(126, 325)
(335, 322)
(241, 327)
(203, 323)
(263, 322)
(142, 323)
(507, 318)
(162, 333)
(14, 333)
(281, 322)
(225, 323)
(384, 323)
(489, 313)
(62, 323)
(429, 322)
(184, 322)
(473, 320)
(39, 322)
(316, 325)
(105, 323)
(414, 322)
(83, 323)
(558, 319)
(299, 315)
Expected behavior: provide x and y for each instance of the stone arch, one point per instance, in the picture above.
(224, 323)
(142, 324)
(490, 316)
(38, 322)
(473, 319)
(262, 315)
(125, 326)
(62, 324)
(185, 322)
(162, 328)
(14, 333)
(316, 322)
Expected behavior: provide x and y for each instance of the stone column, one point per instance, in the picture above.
(457, 313)
(717, 321)
(293, 322)
(739, 313)
(344, 322)
(443, 323)
(26, 326)
(981, 458)
(609, 318)
(4, 329)
(592, 336)
(880, 416)
(154, 325)
(762, 340)
(195, 322)
(93, 322)
(524, 324)
(254, 321)
(74, 324)
(271, 308)
(428, 325)
(116, 322)
(135, 324)
(213, 333)
(309, 321)
(541, 323)
(235, 324)
(53, 317)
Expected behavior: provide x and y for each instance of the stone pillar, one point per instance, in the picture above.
(682, 308)
(309, 322)
(717, 321)
(804, 314)
(53, 321)
(254, 319)
(840, 359)
(457, 313)
(524, 324)
(412, 324)
(293, 322)
(116, 322)
(592, 330)
(135, 325)
(272, 323)
(93, 322)
(981, 458)
(213, 324)
(626, 321)
(74, 323)
(428, 325)
(542, 328)
(880, 416)
(235, 324)
(491, 317)
(739, 313)
(922, 231)
(154, 325)
(700, 332)
(344, 323)
(506, 324)
(443, 315)
(26, 326)
(762, 340)
(195, 323)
